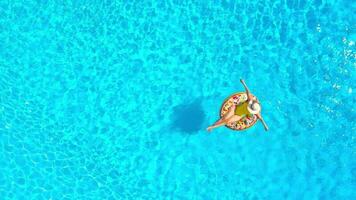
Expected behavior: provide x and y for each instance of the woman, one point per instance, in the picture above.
(252, 105)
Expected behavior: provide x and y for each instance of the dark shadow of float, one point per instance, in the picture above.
(188, 118)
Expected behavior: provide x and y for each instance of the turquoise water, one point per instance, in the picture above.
(111, 99)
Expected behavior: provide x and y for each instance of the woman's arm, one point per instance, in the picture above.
(249, 96)
(263, 121)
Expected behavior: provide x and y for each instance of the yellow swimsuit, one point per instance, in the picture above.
(241, 109)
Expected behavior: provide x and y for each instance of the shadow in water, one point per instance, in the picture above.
(188, 118)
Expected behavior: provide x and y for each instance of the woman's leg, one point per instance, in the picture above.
(234, 118)
(223, 120)
(230, 112)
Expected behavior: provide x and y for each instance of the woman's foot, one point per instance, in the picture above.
(209, 128)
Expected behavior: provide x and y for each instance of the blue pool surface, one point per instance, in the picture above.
(110, 99)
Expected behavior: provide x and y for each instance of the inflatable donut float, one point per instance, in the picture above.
(240, 100)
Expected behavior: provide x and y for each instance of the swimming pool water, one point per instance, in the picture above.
(111, 99)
